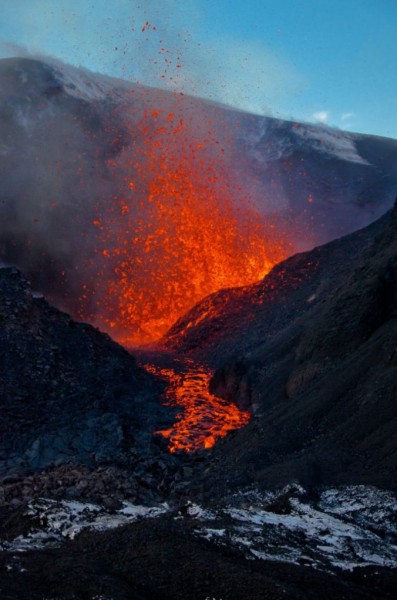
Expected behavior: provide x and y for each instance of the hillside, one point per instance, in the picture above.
(311, 351)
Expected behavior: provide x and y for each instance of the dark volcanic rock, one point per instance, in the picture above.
(234, 321)
(312, 350)
(69, 395)
(321, 383)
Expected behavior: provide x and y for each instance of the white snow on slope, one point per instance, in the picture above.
(330, 141)
(61, 520)
(347, 528)
(342, 528)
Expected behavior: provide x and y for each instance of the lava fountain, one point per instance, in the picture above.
(183, 227)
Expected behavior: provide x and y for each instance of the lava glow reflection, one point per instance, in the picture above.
(205, 418)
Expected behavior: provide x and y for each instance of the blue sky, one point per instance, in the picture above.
(316, 60)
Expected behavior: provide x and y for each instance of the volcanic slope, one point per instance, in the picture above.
(76, 412)
(312, 351)
(78, 417)
(89, 163)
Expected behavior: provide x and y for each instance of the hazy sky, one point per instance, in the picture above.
(327, 60)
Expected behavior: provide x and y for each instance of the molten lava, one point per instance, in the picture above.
(205, 418)
(182, 229)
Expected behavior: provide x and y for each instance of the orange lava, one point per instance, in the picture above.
(181, 231)
(205, 418)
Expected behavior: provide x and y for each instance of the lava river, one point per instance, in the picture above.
(204, 418)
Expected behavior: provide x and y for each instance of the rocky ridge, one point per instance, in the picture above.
(311, 351)
(77, 413)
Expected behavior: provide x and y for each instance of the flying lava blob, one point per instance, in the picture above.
(182, 229)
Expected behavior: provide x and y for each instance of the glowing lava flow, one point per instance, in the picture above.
(205, 417)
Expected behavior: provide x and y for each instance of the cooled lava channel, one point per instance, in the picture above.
(204, 418)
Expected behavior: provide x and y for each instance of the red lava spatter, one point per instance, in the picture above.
(180, 228)
(205, 418)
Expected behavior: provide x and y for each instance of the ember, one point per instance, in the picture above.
(205, 417)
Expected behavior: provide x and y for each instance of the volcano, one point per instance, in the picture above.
(127, 205)
(242, 443)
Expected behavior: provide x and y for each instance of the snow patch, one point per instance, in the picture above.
(61, 520)
(345, 528)
(333, 142)
(85, 85)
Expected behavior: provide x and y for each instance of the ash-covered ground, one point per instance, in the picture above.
(285, 544)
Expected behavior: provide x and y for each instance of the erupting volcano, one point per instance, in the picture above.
(198, 301)
(127, 206)
(182, 230)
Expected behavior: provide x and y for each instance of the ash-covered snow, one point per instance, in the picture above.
(343, 528)
(364, 505)
(346, 528)
(60, 520)
(330, 141)
(264, 146)
(81, 83)
(197, 512)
